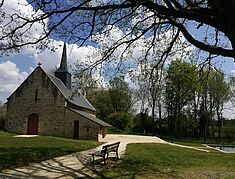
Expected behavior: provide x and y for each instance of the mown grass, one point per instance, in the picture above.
(166, 161)
(18, 151)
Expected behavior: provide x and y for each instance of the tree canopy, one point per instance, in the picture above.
(81, 21)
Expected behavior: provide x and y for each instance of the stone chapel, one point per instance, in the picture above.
(45, 105)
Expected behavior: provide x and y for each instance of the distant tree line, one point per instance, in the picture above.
(180, 100)
(194, 100)
(113, 104)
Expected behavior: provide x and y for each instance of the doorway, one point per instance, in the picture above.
(76, 130)
(32, 128)
(103, 131)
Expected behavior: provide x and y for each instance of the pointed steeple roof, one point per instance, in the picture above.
(63, 63)
(62, 73)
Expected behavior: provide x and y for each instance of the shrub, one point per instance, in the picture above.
(122, 121)
(142, 123)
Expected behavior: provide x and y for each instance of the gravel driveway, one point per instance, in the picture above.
(127, 139)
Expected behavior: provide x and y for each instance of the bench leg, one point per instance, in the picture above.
(104, 159)
(117, 155)
(93, 159)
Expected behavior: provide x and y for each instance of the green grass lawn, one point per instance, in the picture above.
(166, 161)
(21, 151)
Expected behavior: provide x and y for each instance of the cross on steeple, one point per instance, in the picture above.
(62, 72)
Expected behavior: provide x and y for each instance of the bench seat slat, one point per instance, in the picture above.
(98, 153)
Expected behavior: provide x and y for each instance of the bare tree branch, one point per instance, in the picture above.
(68, 21)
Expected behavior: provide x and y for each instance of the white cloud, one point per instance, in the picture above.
(10, 78)
(229, 110)
(79, 55)
(232, 72)
(50, 60)
(28, 32)
(136, 51)
(10, 75)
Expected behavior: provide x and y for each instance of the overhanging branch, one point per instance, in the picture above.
(211, 49)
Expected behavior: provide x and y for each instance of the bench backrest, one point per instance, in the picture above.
(111, 147)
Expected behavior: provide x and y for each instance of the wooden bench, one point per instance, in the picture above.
(104, 152)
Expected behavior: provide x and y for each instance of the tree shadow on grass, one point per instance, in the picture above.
(79, 164)
(72, 166)
(129, 168)
(12, 157)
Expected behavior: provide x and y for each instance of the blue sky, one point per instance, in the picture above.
(16, 67)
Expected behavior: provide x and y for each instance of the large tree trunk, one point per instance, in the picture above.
(170, 121)
(196, 102)
(160, 114)
(220, 121)
(153, 115)
(211, 122)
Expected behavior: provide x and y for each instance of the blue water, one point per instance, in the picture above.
(226, 149)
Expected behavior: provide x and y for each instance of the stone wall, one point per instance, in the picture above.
(37, 94)
(87, 128)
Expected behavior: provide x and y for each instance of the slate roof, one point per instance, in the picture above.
(78, 100)
(90, 117)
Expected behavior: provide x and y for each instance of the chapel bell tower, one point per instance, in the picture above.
(62, 72)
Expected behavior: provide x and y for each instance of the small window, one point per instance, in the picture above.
(36, 96)
(87, 129)
(100, 127)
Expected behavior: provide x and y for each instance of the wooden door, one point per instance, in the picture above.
(76, 130)
(32, 124)
(103, 131)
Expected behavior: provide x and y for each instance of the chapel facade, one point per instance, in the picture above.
(45, 105)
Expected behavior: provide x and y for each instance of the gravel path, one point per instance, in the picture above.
(77, 164)
(127, 139)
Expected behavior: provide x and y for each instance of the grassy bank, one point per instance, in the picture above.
(165, 161)
(16, 151)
